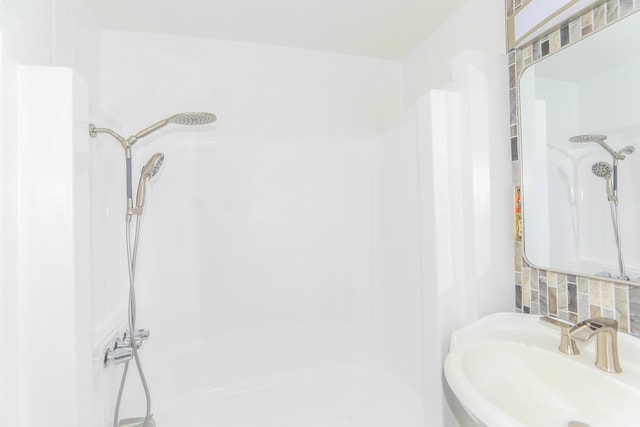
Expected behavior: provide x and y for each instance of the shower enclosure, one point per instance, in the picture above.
(287, 258)
(301, 263)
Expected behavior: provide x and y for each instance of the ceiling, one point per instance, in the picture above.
(379, 28)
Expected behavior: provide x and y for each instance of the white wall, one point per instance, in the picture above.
(256, 90)
(53, 32)
(50, 291)
(9, 333)
(396, 273)
(476, 25)
(42, 32)
(465, 225)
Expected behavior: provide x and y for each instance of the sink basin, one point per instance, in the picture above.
(506, 370)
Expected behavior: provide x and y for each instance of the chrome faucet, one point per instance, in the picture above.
(604, 329)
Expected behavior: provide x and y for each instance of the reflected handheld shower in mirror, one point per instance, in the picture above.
(604, 170)
(610, 174)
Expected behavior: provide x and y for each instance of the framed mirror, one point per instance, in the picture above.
(580, 147)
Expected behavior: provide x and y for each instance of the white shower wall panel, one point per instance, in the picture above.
(256, 90)
(255, 260)
(396, 252)
(53, 251)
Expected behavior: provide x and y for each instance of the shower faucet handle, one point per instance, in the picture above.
(117, 355)
(142, 334)
(126, 343)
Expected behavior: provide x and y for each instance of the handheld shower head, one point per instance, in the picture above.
(629, 149)
(149, 170)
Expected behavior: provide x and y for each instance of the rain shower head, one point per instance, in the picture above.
(150, 170)
(191, 119)
(598, 139)
(188, 119)
(588, 138)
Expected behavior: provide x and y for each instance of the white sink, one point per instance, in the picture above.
(506, 370)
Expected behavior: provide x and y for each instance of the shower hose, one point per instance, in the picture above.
(131, 315)
(615, 217)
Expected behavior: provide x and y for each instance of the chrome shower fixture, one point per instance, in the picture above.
(126, 349)
(188, 119)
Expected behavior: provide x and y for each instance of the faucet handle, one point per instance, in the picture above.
(142, 334)
(117, 356)
(567, 343)
(587, 329)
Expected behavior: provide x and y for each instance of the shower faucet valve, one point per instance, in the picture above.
(142, 334)
(139, 336)
(117, 355)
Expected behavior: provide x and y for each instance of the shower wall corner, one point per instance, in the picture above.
(52, 225)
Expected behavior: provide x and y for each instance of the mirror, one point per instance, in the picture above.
(580, 191)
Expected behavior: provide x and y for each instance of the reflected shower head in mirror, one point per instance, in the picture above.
(587, 138)
(598, 139)
(604, 170)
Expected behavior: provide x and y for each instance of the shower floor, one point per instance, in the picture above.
(345, 397)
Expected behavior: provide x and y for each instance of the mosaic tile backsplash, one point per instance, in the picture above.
(566, 296)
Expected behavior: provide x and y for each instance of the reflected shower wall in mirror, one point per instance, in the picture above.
(581, 195)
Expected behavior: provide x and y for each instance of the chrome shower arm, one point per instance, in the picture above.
(94, 131)
(616, 156)
(146, 131)
(198, 118)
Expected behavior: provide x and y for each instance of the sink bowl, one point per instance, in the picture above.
(506, 370)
